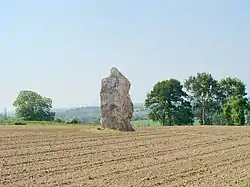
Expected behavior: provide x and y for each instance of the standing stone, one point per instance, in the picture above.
(116, 105)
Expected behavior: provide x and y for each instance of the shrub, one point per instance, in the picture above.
(59, 120)
(19, 123)
(73, 121)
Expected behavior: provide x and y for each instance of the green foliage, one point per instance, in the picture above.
(221, 102)
(203, 92)
(31, 106)
(20, 123)
(59, 120)
(73, 121)
(232, 88)
(233, 101)
(237, 108)
(168, 104)
(205, 101)
(218, 118)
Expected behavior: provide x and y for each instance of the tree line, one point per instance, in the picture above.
(213, 102)
(31, 106)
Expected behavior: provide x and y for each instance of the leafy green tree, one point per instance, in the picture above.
(234, 102)
(218, 118)
(31, 106)
(238, 107)
(204, 93)
(232, 88)
(168, 104)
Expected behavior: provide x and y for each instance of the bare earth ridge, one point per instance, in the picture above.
(165, 156)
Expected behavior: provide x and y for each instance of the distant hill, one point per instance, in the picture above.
(89, 114)
(93, 112)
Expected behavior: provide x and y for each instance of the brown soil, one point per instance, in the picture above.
(171, 156)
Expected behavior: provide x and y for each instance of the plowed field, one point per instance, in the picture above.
(78, 156)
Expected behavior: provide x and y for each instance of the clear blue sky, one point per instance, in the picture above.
(61, 48)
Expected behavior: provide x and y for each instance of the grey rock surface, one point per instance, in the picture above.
(116, 105)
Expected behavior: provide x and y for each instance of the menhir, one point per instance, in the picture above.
(116, 105)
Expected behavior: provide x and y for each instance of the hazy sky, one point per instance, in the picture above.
(62, 48)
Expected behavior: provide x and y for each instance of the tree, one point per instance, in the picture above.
(248, 112)
(31, 106)
(204, 94)
(238, 107)
(232, 88)
(234, 102)
(183, 114)
(168, 104)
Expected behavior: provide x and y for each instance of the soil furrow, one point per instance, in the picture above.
(83, 140)
(165, 156)
(120, 161)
